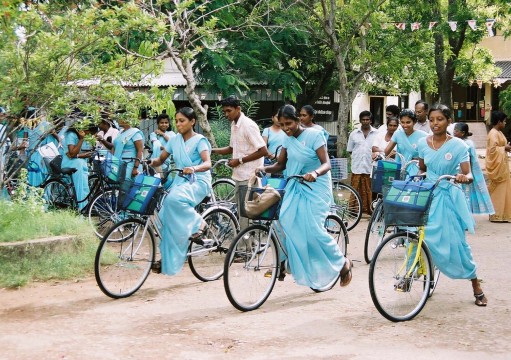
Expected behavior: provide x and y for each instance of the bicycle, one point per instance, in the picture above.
(347, 201)
(402, 275)
(376, 229)
(127, 252)
(253, 262)
(223, 188)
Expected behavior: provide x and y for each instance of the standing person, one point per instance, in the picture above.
(382, 139)
(441, 154)
(160, 137)
(497, 168)
(421, 112)
(360, 144)
(307, 114)
(106, 135)
(75, 158)
(274, 137)
(407, 139)
(390, 112)
(129, 143)
(314, 257)
(247, 146)
(178, 218)
(477, 192)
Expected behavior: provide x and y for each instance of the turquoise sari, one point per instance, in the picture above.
(449, 215)
(314, 257)
(124, 147)
(157, 141)
(407, 146)
(81, 176)
(178, 217)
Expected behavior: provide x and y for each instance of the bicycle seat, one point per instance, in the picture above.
(68, 171)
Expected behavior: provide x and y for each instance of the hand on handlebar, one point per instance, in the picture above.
(310, 177)
(463, 179)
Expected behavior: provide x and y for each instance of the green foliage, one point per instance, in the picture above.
(505, 100)
(26, 197)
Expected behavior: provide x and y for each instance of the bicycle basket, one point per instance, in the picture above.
(139, 196)
(339, 168)
(406, 203)
(112, 168)
(266, 209)
(384, 172)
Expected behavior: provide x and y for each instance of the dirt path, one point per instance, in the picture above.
(181, 318)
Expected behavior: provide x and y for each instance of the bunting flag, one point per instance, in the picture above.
(432, 24)
(400, 26)
(489, 27)
(472, 24)
(415, 26)
(453, 25)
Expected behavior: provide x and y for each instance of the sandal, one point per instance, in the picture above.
(481, 299)
(346, 275)
(156, 267)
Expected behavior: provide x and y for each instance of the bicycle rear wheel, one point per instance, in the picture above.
(251, 268)
(103, 212)
(398, 291)
(57, 195)
(206, 259)
(348, 204)
(336, 228)
(124, 258)
(375, 232)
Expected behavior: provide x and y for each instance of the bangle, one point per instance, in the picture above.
(317, 174)
(193, 168)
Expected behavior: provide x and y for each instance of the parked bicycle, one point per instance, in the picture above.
(347, 201)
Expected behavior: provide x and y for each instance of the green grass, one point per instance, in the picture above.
(19, 267)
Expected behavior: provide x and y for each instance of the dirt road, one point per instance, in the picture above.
(181, 318)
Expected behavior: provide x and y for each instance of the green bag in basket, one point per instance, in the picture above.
(140, 192)
(410, 194)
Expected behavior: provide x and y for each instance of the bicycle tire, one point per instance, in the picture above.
(375, 232)
(250, 271)
(124, 258)
(396, 297)
(103, 212)
(207, 260)
(56, 194)
(224, 190)
(348, 204)
(434, 283)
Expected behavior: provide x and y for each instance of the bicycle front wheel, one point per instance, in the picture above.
(224, 190)
(206, 259)
(399, 288)
(103, 212)
(124, 258)
(375, 232)
(251, 268)
(348, 204)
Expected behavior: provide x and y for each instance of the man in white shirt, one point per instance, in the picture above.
(246, 145)
(106, 135)
(360, 143)
(421, 111)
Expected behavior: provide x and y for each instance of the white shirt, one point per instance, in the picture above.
(425, 126)
(360, 148)
(113, 132)
(245, 140)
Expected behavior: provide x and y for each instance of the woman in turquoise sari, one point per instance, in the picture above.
(178, 218)
(406, 140)
(160, 137)
(75, 158)
(314, 258)
(441, 154)
(37, 136)
(129, 144)
(477, 193)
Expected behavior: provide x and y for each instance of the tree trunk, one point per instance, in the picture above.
(186, 69)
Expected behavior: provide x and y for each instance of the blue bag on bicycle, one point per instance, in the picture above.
(113, 168)
(384, 173)
(137, 194)
(407, 202)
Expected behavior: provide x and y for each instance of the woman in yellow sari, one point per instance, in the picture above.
(497, 168)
